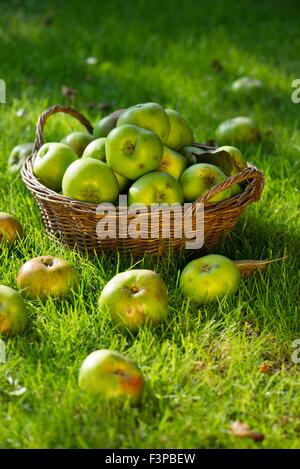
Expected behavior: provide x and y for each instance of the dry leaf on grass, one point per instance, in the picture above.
(264, 368)
(247, 267)
(243, 431)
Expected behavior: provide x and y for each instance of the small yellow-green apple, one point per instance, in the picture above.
(13, 312)
(78, 141)
(149, 116)
(135, 298)
(209, 279)
(90, 180)
(107, 123)
(156, 187)
(96, 149)
(10, 228)
(122, 181)
(112, 376)
(181, 134)
(239, 162)
(237, 130)
(132, 151)
(46, 276)
(51, 162)
(199, 178)
(172, 163)
(246, 86)
(17, 157)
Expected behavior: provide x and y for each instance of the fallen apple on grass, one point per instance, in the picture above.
(132, 151)
(51, 162)
(209, 279)
(112, 376)
(78, 141)
(149, 116)
(199, 178)
(13, 312)
(107, 123)
(246, 87)
(47, 276)
(10, 228)
(181, 134)
(156, 187)
(173, 163)
(135, 298)
(17, 157)
(90, 180)
(237, 130)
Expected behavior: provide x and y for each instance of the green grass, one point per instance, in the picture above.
(202, 367)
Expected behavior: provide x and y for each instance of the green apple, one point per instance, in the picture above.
(181, 134)
(107, 123)
(135, 298)
(149, 116)
(132, 151)
(246, 86)
(238, 159)
(46, 276)
(237, 130)
(199, 178)
(236, 189)
(51, 162)
(209, 279)
(155, 187)
(111, 375)
(122, 181)
(13, 312)
(10, 228)
(78, 141)
(172, 163)
(96, 149)
(90, 180)
(17, 157)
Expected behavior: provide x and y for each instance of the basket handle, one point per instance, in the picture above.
(39, 132)
(248, 173)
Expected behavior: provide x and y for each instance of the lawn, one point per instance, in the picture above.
(204, 367)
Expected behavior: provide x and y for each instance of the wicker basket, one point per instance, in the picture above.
(75, 222)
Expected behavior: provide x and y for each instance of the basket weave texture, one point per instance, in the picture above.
(75, 222)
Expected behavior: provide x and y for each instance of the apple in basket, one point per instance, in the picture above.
(209, 279)
(107, 123)
(156, 187)
(150, 116)
(181, 134)
(173, 163)
(17, 157)
(90, 180)
(46, 276)
(51, 163)
(10, 228)
(200, 178)
(132, 151)
(135, 298)
(237, 130)
(78, 141)
(13, 312)
(110, 375)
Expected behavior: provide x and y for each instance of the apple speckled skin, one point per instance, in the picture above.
(10, 228)
(209, 279)
(13, 312)
(150, 116)
(156, 187)
(173, 163)
(132, 151)
(135, 298)
(46, 276)
(199, 178)
(181, 134)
